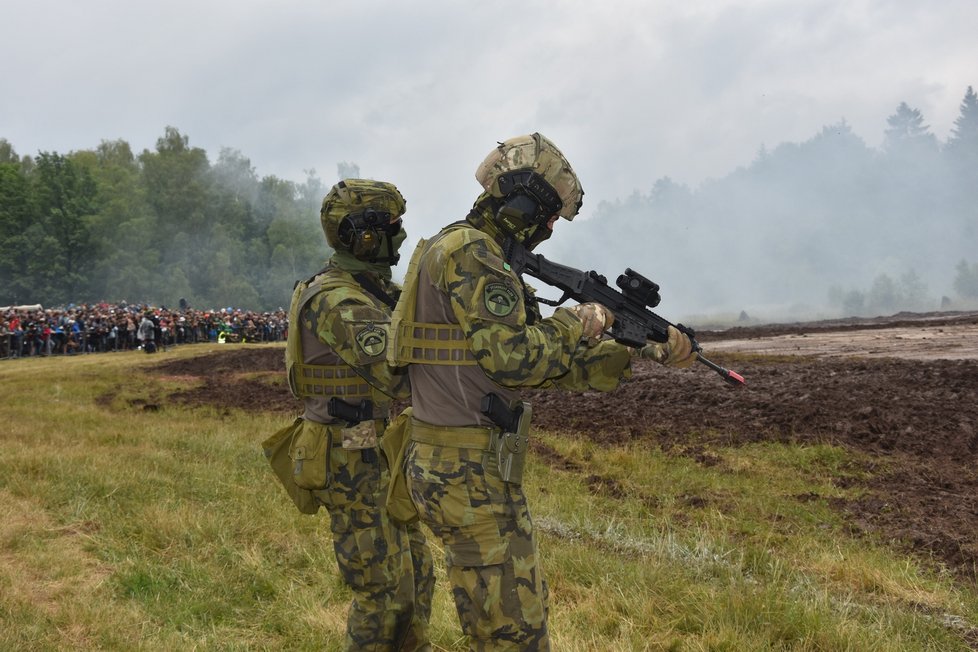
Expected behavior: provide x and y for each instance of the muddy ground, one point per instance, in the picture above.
(903, 391)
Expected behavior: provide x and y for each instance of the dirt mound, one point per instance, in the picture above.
(244, 378)
(916, 419)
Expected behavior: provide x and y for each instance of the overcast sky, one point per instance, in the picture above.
(417, 92)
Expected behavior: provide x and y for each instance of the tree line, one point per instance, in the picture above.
(829, 221)
(825, 225)
(160, 226)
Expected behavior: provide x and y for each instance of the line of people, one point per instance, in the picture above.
(460, 340)
(103, 327)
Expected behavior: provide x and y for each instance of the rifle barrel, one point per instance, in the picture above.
(731, 377)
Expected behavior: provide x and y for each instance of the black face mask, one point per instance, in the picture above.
(364, 234)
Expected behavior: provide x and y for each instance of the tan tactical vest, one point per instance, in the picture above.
(447, 383)
(315, 371)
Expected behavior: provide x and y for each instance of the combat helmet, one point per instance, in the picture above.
(533, 168)
(360, 215)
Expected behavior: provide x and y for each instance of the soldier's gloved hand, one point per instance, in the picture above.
(595, 317)
(677, 352)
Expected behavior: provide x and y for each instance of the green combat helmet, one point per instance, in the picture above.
(360, 216)
(532, 182)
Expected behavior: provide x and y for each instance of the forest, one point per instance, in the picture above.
(827, 227)
(829, 223)
(157, 227)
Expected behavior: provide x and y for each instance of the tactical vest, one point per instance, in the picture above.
(447, 381)
(317, 383)
(414, 342)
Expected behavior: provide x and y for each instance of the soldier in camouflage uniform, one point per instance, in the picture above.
(467, 327)
(336, 359)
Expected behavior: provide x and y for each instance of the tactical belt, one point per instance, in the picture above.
(314, 380)
(424, 343)
(473, 437)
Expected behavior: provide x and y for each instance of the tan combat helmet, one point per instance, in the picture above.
(357, 197)
(538, 154)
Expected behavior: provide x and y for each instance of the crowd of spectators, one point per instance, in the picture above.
(103, 327)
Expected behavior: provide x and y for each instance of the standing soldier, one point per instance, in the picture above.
(336, 360)
(471, 334)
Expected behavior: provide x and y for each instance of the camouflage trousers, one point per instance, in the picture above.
(387, 566)
(490, 551)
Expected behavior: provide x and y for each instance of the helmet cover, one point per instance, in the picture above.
(355, 196)
(538, 154)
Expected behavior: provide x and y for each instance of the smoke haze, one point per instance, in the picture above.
(763, 210)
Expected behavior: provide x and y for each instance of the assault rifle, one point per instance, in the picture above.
(634, 323)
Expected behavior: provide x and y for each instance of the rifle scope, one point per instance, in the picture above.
(638, 288)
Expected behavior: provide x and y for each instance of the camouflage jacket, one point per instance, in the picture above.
(462, 279)
(343, 331)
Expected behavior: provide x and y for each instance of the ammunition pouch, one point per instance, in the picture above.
(310, 455)
(400, 507)
(277, 449)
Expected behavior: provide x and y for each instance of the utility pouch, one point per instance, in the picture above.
(309, 453)
(276, 449)
(396, 437)
(508, 448)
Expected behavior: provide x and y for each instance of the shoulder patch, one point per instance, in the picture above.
(500, 299)
(372, 340)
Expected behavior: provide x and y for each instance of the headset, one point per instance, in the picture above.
(528, 203)
(364, 233)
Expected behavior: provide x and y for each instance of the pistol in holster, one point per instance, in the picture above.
(360, 432)
(508, 447)
(352, 414)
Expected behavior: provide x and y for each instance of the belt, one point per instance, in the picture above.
(475, 437)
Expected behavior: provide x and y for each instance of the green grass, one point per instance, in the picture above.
(123, 528)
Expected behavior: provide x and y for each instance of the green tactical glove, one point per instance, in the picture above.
(677, 352)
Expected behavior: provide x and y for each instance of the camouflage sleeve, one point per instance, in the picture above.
(359, 334)
(486, 298)
(601, 367)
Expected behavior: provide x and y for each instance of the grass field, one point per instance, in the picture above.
(129, 528)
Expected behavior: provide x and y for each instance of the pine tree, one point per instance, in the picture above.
(962, 146)
(907, 131)
(964, 136)
(961, 153)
